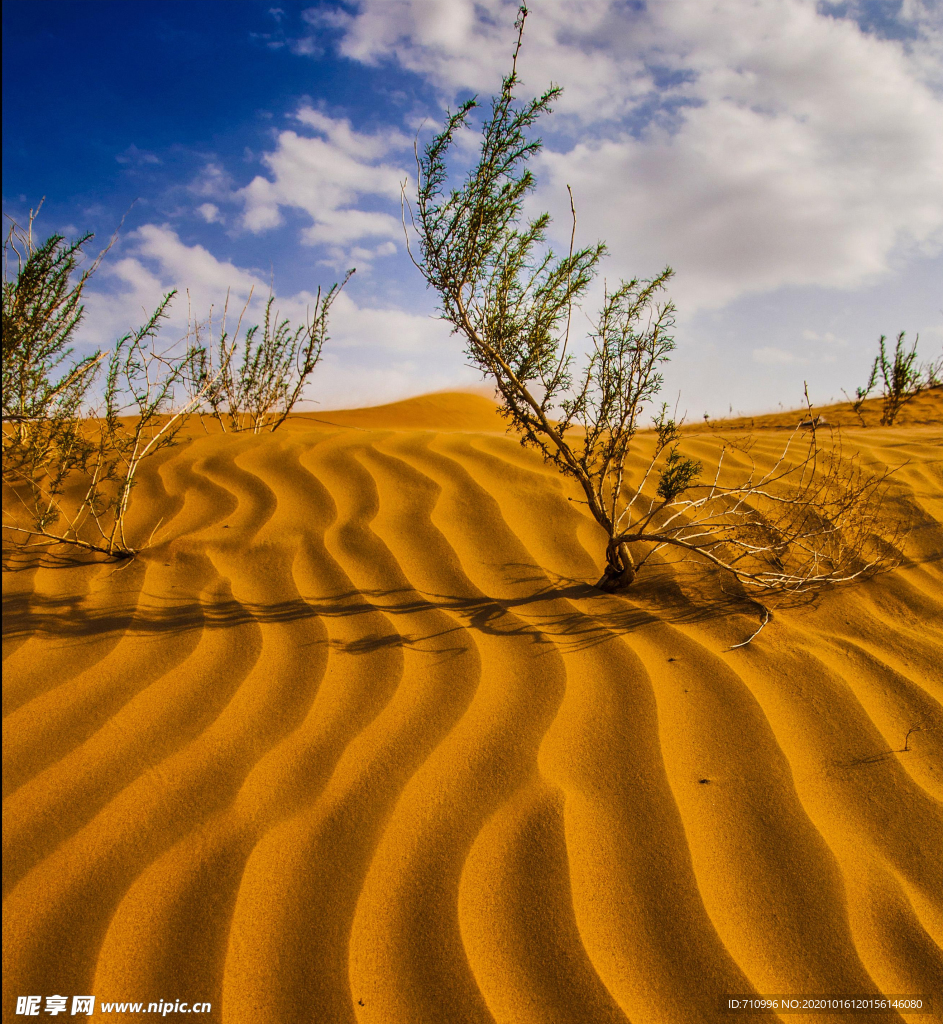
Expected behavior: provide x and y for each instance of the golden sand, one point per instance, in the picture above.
(355, 741)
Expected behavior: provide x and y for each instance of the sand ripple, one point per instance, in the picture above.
(355, 741)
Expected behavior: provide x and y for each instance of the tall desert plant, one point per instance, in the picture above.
(254, 383)
(43, 387)
(69, 462)
(142, 415)
(901, 378)
(812, 519)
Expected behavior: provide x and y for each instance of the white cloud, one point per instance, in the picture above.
(589, 47)
(773, 356)
(191, 266)
(339, 226)
(209, 212)
(359, 253)
(326, 16)
(213, 182)
(138, 157)
(771, 151)
(923, 17)
(375, 353)
(345, 385)
(806, 151)
(825, 336)
(327, 175)
(393, 332)
(355, 144)
(156, 262)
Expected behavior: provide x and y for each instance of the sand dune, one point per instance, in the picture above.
(355, 741)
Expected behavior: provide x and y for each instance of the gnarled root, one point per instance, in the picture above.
(620, 569)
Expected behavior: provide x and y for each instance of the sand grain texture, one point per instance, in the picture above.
(356, 741)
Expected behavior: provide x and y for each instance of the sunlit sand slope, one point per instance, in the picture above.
(356, 741)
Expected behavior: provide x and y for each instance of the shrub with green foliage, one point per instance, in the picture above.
(43, 388)
(70, 461)
(257, 391)
(901, 378)
(811, 519)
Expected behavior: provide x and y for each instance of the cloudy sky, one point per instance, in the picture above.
(784, 156)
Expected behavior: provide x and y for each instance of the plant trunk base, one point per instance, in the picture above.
(620, 569)
(615, 580)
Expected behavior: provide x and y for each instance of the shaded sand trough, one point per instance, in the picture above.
(355, 741)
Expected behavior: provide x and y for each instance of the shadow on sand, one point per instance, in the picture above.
(548, 611)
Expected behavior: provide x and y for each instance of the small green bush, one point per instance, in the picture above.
(901, 378)
(70, 462)
(258, 391)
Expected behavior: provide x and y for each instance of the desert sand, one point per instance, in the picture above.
(356, 740)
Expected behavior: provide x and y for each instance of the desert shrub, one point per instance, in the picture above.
(257, 391)
(70, 462)
(43, 387)
(141, 416)
(901, 378)
(814, 518)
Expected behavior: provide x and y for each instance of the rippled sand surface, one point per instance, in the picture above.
(356, 741)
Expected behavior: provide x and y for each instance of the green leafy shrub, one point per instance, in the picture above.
(510, 298)
(257, 391)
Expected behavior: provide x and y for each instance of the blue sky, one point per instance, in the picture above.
(783, 155)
